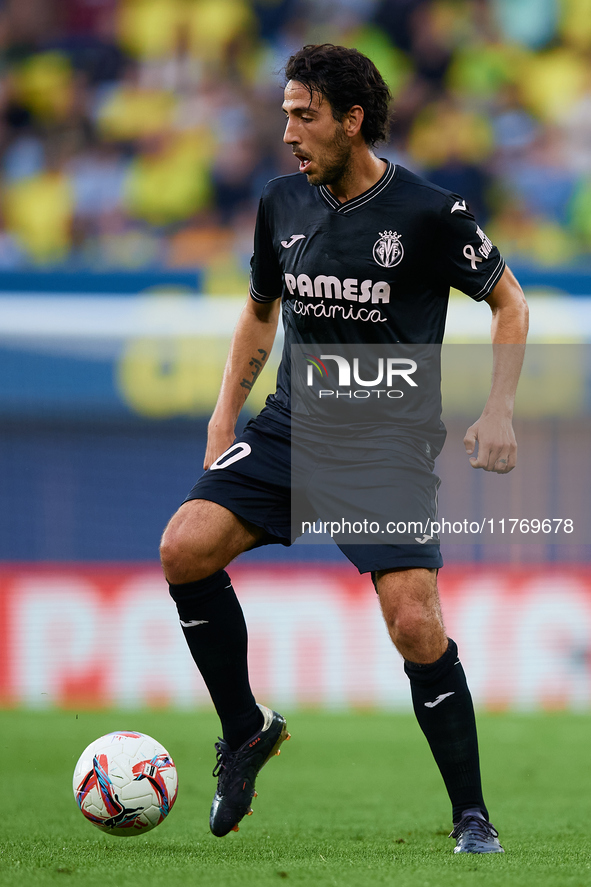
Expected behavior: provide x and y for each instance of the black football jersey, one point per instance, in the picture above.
(374, 270)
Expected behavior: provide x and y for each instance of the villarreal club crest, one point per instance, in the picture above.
(388, 250)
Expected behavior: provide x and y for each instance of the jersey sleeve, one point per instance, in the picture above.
(265, 272)
(468, 259)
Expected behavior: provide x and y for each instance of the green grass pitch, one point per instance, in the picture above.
(354, 799)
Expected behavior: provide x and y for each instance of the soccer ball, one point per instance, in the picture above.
(125, 783)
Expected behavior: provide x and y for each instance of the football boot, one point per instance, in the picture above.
(237, 771)
(474, 834)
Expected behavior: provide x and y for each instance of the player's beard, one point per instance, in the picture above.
(336, 164)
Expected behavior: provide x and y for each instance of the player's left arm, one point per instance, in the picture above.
(493, 431)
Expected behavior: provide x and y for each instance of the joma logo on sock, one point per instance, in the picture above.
(439, 699)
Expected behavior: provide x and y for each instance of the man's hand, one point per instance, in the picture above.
(497, 447)
(218, 441)
(493, 432)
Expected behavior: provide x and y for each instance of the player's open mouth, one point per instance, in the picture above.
(304, 162)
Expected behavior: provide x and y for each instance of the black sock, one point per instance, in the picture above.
(445, 713)
(218, 643)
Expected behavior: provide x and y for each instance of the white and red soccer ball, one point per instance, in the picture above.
(125, 783)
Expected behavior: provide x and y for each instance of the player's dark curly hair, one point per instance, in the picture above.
(345, 77)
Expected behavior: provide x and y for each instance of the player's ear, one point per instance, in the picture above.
(352, 120)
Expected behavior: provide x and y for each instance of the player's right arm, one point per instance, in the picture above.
(249, 351)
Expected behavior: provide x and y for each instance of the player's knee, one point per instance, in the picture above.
(183, 561)
(409, 628)
(173, 563)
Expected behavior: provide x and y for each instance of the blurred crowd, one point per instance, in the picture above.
(138, 134)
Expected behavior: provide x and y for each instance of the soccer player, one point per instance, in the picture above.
(391, 245)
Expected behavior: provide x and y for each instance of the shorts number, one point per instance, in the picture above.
(233, 454)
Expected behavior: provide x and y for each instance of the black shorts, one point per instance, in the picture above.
(254, 480)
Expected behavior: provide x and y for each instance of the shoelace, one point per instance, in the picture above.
(475, 824)
(222, 758)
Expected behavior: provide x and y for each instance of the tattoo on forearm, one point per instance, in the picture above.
(257, 364)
